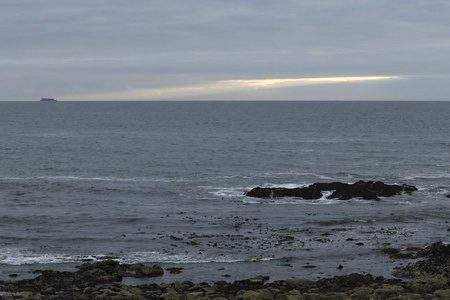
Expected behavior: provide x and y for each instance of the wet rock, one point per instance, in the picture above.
(26, 295)
(386, 291)
(435, 251)
(436, 264)
(364, 292)
(88, 290)
(346, 282)
(334, 296)
(175, 270)
(367, 190)
(171, 295)
(98, 276)
(298, 283)
(194, 295)
(146, 271)
(419, 287)
(266, 294)
(396, 253)
(391, 251)
(250, 295)
(305, 193)
(445, 294)
(309, 267)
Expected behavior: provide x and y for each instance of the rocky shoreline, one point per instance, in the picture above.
(427, 278)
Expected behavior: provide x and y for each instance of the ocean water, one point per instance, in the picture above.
(164, 182)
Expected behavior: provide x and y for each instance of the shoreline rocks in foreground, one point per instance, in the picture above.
(367, 190)
(429, 279)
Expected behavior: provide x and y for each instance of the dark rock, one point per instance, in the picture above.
(437, 250)
(391, 251)
(87, 275)
(396, 253)
(146, 271)
(437, 262)
(345, 282)
(175, 270)
(306, 193)
(83, 284)
(367, 190)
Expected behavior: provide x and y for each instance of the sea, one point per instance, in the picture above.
(164, 183)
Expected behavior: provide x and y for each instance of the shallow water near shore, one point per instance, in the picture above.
(164, 183)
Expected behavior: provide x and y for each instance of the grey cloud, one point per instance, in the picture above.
(99, 45)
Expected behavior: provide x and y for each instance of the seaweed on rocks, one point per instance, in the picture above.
(429, 280)
(395, 253)
(87, 275)
(436, 263)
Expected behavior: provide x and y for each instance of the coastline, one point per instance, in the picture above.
(426, 278)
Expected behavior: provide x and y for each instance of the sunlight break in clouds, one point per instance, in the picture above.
(218, 87)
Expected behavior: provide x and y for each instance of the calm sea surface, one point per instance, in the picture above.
(164, 183)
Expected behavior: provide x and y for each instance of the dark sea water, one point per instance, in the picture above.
(164, 183)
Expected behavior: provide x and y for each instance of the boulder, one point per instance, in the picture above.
(147, 271)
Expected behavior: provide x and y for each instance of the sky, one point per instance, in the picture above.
(224, 50)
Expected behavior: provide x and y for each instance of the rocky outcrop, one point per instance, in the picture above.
(367, 190)
(85, 278)
(429, 280)
(436, 263)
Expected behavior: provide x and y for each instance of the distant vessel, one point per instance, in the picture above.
(48, 99)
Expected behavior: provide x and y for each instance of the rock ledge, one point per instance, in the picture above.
(368, 190)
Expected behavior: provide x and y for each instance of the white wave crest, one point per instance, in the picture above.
(17, 257)
(157, 257)
(100, 178)
(427, 176)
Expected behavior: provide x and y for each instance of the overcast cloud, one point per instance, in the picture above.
(185, 49)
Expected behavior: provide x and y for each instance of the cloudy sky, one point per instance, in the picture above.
(225, 49)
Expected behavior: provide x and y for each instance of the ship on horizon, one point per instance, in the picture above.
(48, 99)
